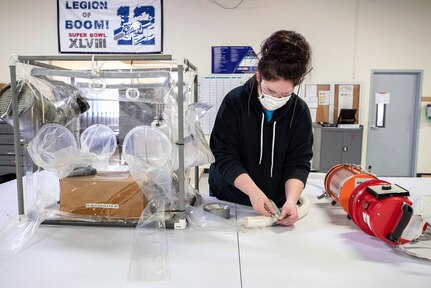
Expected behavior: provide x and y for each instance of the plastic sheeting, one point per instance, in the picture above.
(33, 108)
(196, 148)
(149, 256)
(40, 101)
(419, 229)
(54, 148)
(139, 99)
(148, 153)
(197, 151)
(98, 144)
(143, 137)
(421, 246)
(15, 235)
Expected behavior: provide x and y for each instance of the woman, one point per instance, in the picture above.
(262, 137)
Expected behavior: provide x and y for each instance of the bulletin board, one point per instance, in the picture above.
(326, 100)
(338, 94)
(319, 106)
(322, 113)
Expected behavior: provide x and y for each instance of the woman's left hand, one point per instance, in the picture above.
(289, 214)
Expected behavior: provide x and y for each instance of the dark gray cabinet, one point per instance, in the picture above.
(7, 150)
(334, 145)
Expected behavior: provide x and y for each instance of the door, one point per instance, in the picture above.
(393, 122)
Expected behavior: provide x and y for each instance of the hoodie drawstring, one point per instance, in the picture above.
(273, 143)
(261, 142)
(261, 138)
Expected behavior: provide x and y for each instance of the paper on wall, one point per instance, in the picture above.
(383, 97)
(311, 96)
(312, 102)
(313, 113)
(310, 90)
(323, 97)
(345, 97)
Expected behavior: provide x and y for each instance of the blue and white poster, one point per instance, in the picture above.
(233, 59)
(112, 26)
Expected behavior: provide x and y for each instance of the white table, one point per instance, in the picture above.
(100, 257)
(324, 249)
(79, 256)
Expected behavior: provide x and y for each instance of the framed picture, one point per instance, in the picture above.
(112, 26)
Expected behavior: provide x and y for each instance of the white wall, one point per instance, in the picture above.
(390, 34)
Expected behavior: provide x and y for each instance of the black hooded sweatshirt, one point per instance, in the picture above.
(271, 152)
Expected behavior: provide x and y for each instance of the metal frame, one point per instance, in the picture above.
(182, 66)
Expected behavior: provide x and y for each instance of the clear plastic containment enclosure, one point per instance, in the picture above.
(105, 135)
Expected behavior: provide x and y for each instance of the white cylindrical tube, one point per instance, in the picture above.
(265, 221)
(258, 221)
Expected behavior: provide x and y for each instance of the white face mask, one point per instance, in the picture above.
(272, 103)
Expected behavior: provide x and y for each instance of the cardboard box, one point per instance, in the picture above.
(106, 194)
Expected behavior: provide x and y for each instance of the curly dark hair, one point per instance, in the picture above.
(285, 55)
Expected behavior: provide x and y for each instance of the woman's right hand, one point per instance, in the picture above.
(261, 203)
(258, 199)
